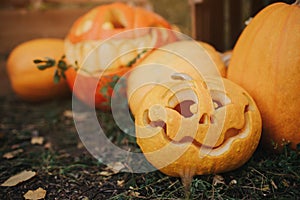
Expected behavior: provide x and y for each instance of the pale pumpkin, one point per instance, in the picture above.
(106, 41)
(185, 128)
(266, 62)
(26, 79)
(197, 59)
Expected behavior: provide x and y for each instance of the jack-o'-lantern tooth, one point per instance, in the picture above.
(87, 49)
(127, 52)
(164, 34)
(143, 43)
(85, 27)
(153, 38)
(90, 59)
(107, 54)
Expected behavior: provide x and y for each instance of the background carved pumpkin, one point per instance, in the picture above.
(185, 129)
(266, 62)
(197, 59)
(26, 79)
(106, 40)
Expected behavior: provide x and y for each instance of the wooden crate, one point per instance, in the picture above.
(220, 22)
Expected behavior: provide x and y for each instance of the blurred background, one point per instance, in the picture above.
(218, 22)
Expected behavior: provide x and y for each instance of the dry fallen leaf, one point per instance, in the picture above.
(80, 145)
(218, 179)
(12, 154)
(68, 113)
(37, 140)
(233, 182)
(48, 145)
(105, 173)
(18, 178)
(39, 193)
(112, 168)
(78, 116)
(115, 167)
(274, 185)
(120, 183)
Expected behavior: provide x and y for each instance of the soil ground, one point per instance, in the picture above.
(66, 170)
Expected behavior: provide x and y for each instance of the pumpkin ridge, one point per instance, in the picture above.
(282, 36)
(249, 41)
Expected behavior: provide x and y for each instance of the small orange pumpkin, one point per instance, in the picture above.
(193, 58)
(26, 79)
(185, 128)
(266, 62)
(105, 41)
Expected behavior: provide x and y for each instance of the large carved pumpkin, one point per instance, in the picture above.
(197, 59)
(105, 42)
(266, 62)
(185, 128)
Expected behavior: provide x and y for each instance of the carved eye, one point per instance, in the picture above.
(219, 99)
(186, 108)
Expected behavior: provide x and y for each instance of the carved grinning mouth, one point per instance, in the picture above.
(184, 109)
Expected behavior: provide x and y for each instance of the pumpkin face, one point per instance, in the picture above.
(26, 79)
(266, 62)
(185, 128)
(107, 39)
(197, 59)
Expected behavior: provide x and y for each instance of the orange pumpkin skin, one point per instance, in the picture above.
(26, 79)
(105, 40)
(107, 20)
(266, 62)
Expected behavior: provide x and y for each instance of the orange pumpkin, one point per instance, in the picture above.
(185, 128)
(193, 58)
(26, 79)
(106, 40)
(266, 62)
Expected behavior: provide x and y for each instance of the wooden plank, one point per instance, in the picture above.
(20, 25)
(221, 22)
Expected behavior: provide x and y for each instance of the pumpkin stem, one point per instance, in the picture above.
(297, 3)
(186, 180)
(61, 67)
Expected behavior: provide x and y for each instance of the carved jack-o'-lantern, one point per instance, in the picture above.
(105, 42)
(185, 128)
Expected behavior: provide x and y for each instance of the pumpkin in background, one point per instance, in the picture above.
(185, 128)
(105, 42)
(26, 79)
(266, 62)
(197, 59)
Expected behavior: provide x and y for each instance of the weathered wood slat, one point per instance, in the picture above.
(19, 25)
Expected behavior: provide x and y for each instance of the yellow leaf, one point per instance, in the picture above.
(39, 193)
(12, 154)
(18, 178)
(37, 140)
